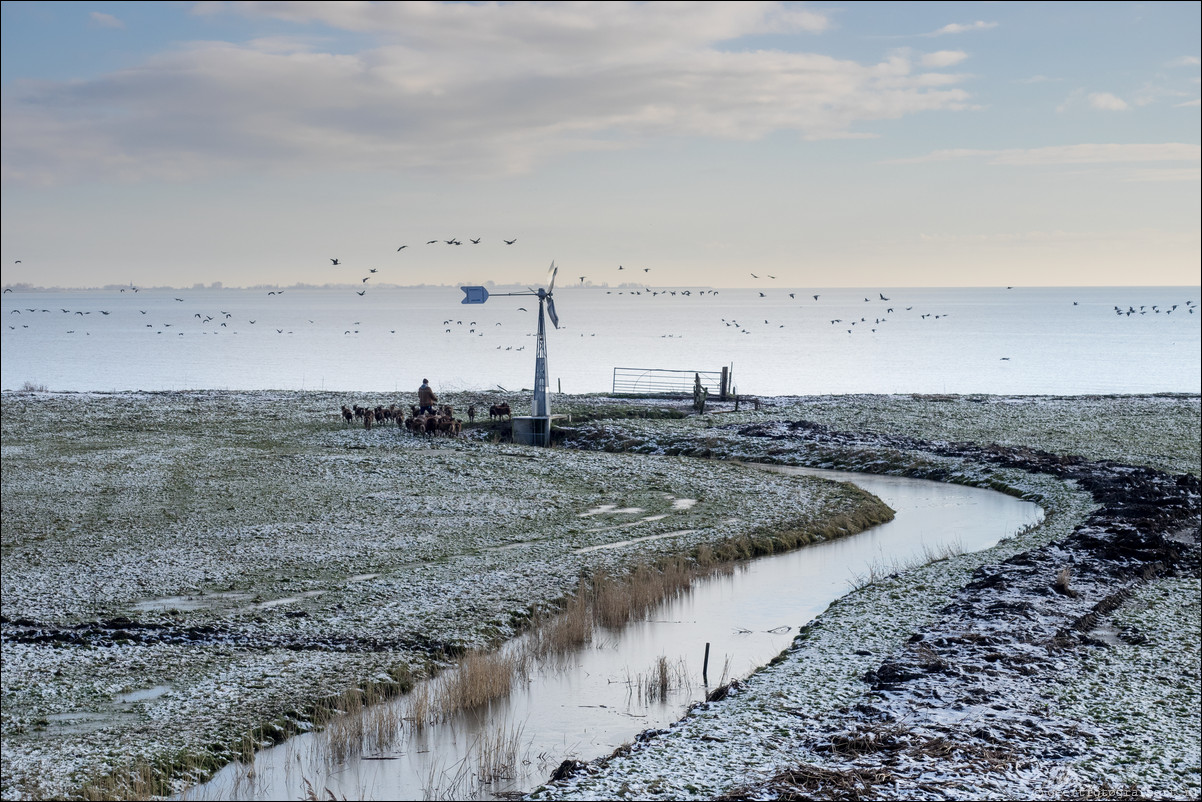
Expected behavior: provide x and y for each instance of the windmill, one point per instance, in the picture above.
(540, 408)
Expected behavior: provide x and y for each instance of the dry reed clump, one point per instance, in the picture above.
(663, 678)
(479, 679)
(566, 631)
(143, 779)
(363, 722)
(497, 754)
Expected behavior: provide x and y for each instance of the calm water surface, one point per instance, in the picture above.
(588, 704)
(992, 340)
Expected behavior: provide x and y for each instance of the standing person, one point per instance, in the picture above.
(426, 398)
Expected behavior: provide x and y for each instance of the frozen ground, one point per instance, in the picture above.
(181, 569)
(970, 677)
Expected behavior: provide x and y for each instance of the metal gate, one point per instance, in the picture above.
(656, 381)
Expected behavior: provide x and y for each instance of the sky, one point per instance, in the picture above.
(825, 145)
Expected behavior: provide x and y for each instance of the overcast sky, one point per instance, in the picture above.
(856, 144)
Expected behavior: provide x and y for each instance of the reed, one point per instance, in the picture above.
(566, 631)
(479, 678)
(497, 754)
(663, 678)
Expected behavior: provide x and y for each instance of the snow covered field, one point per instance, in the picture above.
(181, 568)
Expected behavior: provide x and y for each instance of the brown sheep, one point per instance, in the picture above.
(499, 411)
(347, 415)
(369, 418)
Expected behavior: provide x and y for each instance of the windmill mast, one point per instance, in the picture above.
(536, 427)
(540, 408)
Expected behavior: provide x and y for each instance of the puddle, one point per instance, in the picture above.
(288, 599)
(192, 602)
(621, 543)
(143, 695)
(82, 722)
(611, 509)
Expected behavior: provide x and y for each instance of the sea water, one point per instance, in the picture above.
(1058, 341)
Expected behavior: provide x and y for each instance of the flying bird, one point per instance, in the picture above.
(476, 241)
(883, 298)
(373, 270)
(510, 241)
(432, 242)
(362, 292)
(403, 247)
(335, 261)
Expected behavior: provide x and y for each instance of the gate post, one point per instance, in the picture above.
(722, 387)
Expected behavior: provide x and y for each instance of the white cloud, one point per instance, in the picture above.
(1107, 102)
(99, 19)
(943, 58)
(1185, 61)
(490, 89)
(1188, 104)
(956, 27)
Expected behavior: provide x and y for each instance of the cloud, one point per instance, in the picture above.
(957, 27)
(487, 90)
(1107, 102)
(99, 19)
(1188, 104)
(1070, 154)
(943, 58)
(1185, 61)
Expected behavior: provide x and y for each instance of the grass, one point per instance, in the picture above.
(876, 570)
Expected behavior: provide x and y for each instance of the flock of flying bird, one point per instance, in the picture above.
(881, 311)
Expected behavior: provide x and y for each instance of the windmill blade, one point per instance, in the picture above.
(552, 272)
(551, 311)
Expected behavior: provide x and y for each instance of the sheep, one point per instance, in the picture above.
(499, 411)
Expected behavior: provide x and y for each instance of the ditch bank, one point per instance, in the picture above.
(970, 702)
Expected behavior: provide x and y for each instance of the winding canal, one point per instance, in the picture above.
(588, 703)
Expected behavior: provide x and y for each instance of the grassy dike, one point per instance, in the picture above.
(190, 576)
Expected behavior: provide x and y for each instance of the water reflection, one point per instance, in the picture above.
(586, 704)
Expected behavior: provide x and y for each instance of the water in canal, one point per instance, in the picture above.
(588, 703)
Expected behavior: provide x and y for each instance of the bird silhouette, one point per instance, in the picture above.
(815, 297)
(373, 270)
(476, 241)
(362, 292)
(335, 261)
(432, 242)
(365, 278)
(510, 241)
(403, 247)
(883, 298)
